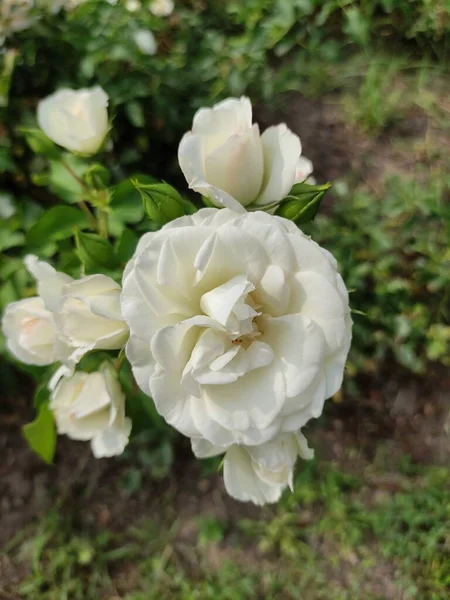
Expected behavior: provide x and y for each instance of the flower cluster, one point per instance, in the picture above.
(233, 321)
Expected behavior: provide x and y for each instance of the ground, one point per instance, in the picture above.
(369, 517)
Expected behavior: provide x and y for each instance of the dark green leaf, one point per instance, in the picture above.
(127, 245)
(96, 253)
(56, 224)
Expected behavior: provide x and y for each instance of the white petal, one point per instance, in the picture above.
(241, 481)
(274, 291)
(298, 348)
(236, 166)
(231, 116)
(303, 169)
(204, 449)
(281, 150)
(139, 354)
(112, 440)
(49, 281)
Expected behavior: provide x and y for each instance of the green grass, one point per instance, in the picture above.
(332, 539)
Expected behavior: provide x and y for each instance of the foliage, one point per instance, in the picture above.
(392, 248)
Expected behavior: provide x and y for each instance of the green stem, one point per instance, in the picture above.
(102, 224)
(81, 203)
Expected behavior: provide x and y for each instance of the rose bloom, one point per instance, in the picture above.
(66, 320)
(89, 315)
(258, 474)
(91, 406)
(239, 325)
(161, 8)
(29, 325)
(75, 119)
(145, 41)
(225, 158)
(31, 333)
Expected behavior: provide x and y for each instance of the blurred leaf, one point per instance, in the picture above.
(56, 224)
(40, 143)
(135, 114)
(97, 176)
(66, 178)
(10, 239)
(356, 25)
(41, 434)
(7, 206)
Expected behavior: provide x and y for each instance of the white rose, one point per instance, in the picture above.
(31, 334)
(161, 8)
(258, 474)
(225, 158)
(15, 15)
(75, 119)
(132, 5)
(91, 406)
(29, 325)
(89, 315)
(239, 325)
(145, 41)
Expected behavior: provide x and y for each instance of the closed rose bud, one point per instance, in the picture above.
(75, 119)
(225, 158)
(91, 406)
(31, 334)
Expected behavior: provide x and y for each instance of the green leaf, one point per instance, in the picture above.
(96, 253)
(127, 245)
(302, 203)
(40, 143)
(126, 203)
(41, 434)
(357, 25)
(56, 224)
(10, 239)
(161, 201)
(42, 394)
(97, 176)
(66, 178)
(135, 113)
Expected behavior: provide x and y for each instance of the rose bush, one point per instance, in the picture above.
(239, 325)
(234, 322)
(225, 158)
